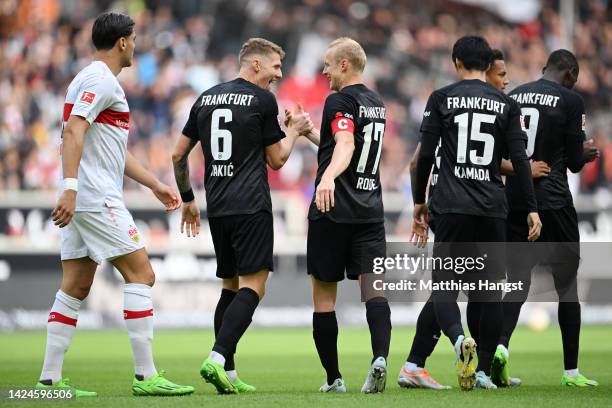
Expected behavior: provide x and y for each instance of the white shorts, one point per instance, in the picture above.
(103, 235)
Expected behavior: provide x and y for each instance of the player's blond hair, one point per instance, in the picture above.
(258, 46)
(345, 47)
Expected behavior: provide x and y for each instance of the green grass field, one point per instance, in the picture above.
(284, 366)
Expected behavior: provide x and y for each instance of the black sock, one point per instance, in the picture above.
(325, 335)
(490, 329)
(236, 320)
(378, 315)
(569, 323)
(449, 318)
(511, 312)
(426, 336)
(224, 301)
(519, 270)
(473, 320)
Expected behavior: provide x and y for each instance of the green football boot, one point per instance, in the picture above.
(65, 385)
(578, 381)
(158, 385)
(499, 368)
(243, 387)
(215, 374)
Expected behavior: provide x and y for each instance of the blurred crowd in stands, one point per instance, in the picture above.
(184, 47)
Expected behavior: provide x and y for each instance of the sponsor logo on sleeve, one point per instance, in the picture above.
(342, 122)
(88, 97)
(346, 115)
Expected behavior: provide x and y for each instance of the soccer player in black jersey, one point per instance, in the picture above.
(413, 373)
(237, 124)
(477, 125)
(555, 125)
(346, 228)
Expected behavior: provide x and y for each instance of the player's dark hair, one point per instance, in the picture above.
(560, 60)
(474, 52)
(497, 55)
(109, 27)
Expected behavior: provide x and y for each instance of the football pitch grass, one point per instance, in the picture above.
(284, 366)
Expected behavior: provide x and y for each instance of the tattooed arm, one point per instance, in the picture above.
(190, 220)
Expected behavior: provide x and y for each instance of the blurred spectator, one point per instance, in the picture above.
(185, 47)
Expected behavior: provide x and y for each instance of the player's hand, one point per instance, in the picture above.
(324, 198)
(539, 169)
(169, 198)
(590, 151)
(535, 226)
(299, 120)
(190, 219)
(420, 225)
(288, 117)
(64, 209)
(418, 234)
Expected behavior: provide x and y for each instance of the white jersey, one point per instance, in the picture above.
(96, 95)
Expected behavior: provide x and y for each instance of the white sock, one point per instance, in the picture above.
(138, 315)
(572, 373)
(411, 367)
(217, 358)
(458, 344)
(60, 328)
(232, 375)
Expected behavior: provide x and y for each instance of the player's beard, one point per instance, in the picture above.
(127, 60)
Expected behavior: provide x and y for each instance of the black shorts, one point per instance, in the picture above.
(243, 243)
(334, 248)
(469, 236)
(557, 226)
(558, 247)
(432, 221)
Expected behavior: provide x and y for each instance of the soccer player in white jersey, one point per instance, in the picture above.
(95, 224)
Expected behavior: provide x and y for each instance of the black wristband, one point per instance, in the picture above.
(187, 196)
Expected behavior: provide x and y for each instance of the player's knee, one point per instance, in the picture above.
(324, 306)
(256, 282)
(83, 292)
(324, 303)
(257, 287)
(78, 291)
(149, 278)
(231, 284)
(261, 292)
(146, 277)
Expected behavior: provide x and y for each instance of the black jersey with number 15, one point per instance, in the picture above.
(358, 196)
(235, 121)
(474, 122)
(555, 123)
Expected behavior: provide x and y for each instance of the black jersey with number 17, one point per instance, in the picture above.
(358, 196)
(474, 122)
(555, 123)
(235, 121)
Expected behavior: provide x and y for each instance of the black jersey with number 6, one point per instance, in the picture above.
(235, 121)
(357, 196)
(555, 123)
(474, 122)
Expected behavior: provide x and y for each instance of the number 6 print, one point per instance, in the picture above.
(220, 139)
